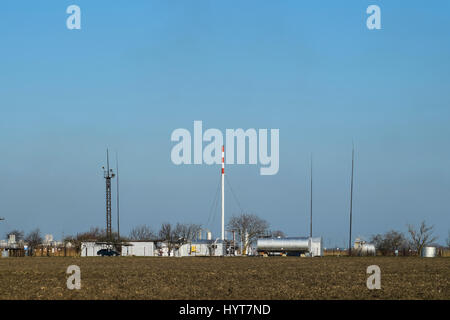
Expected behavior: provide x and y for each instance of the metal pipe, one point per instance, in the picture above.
(223, 193)
(118, 207)
(351, 204)
(311, 201)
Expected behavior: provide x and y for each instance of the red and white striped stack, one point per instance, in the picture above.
(223, 159)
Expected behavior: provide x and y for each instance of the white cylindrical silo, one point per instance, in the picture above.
(429, 252)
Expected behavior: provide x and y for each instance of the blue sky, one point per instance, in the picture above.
(138, 70)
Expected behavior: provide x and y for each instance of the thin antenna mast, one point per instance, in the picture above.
(223, 193)
(311, 202)
(107, 159)
(351, 203)
(118, 207)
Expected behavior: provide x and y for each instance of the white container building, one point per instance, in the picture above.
(138, 249)
(203, 248)
(90, 248)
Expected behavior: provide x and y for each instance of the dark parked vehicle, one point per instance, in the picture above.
(107, 253)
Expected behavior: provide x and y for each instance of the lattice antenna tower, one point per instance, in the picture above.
(108, 174)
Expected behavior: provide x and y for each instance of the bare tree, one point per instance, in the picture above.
(142, 233)
(186, 232)
(248, 228)
(389, 242)
(422, 237)
(33, 239)
(94, 234)
(167, 233)
(176, 236)
(18, 233)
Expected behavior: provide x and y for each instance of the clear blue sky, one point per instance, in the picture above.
(137, 70)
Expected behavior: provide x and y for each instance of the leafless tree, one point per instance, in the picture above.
(167, 233)
(186, 232)
(142, 233)
(248, 228)
(422, 237)
(18, 233)
(94, 234)
(33, 239)
(176, 236)
(389, 242)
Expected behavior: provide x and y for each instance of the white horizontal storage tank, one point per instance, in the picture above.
(277, 245)
(139, 249)
(283, 244)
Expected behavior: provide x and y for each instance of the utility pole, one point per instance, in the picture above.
(311, 202)
(108, 175)
(117, 195)
(234, 242)
(223, 193)
(351, 204)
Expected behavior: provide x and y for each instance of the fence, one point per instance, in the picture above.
(12, 252)
(335, 252)
(44, 251)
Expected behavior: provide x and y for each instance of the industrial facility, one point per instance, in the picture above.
(191, 246)
(195, 245)
(205, 248)
(199, 247)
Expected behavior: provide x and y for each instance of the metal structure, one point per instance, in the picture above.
(290, 246)
(283, 244)
(428, 252)
(108, 175)
(368, 249)
(363, 248)
(311, 201)
(351, 204)
(117, 197)
(223, 193)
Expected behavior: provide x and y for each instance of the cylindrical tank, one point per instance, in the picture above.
(283, 244)
(429, 252)
(368, 249)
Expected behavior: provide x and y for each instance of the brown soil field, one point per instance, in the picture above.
(238, 278)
